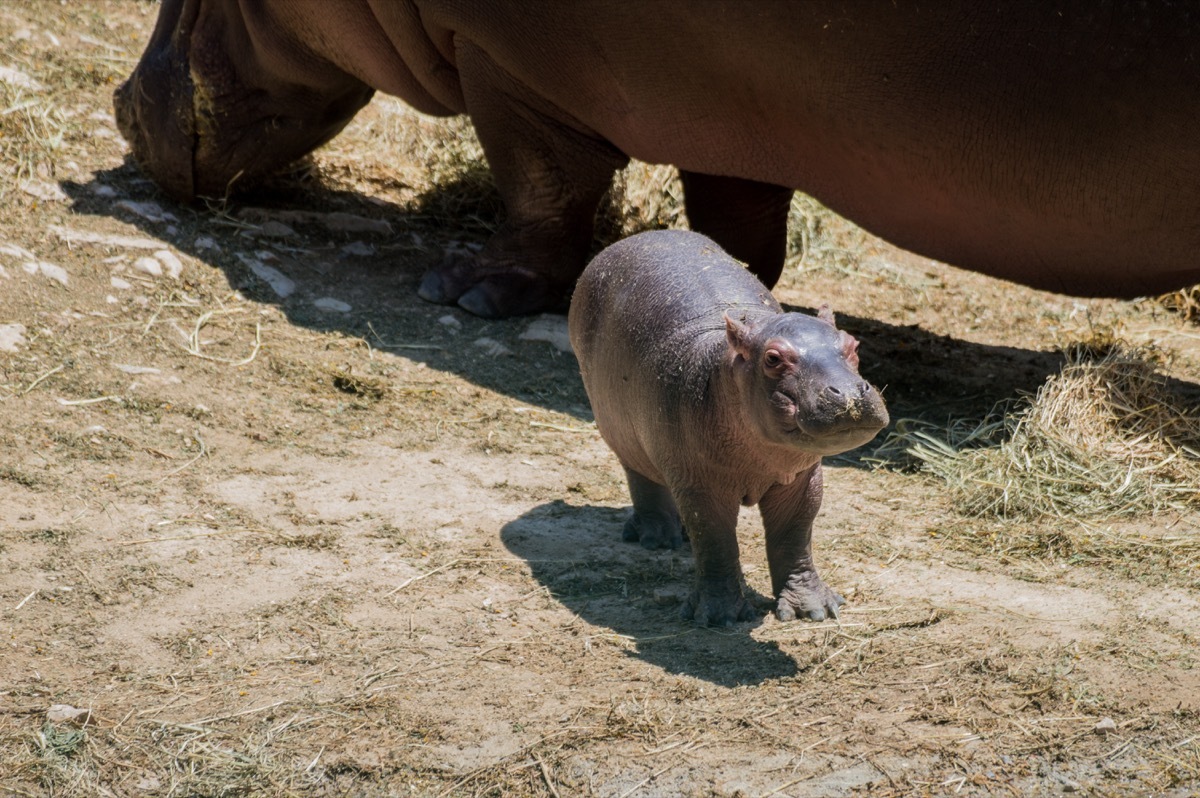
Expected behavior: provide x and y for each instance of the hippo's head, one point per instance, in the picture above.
(800, 382)
(219, 98)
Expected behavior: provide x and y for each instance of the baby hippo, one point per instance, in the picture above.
(712, 396)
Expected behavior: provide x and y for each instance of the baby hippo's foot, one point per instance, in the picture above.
(488, 288)
(653, 531)
(718, 604)
(806, 596)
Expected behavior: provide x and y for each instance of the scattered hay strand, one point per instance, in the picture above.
(1105, 438)
(1185, 302)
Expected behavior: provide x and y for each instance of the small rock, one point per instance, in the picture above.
(15, 77)
(65, 713)
(150, 266)
(110, 299)
(71, 236)
(341, 222)
(451, 323)
(1070, 786)
(102, 190)
(119, 284)
(4, 274)
(48, 270)
(46, 192)
(331, 304)
(358, 248)
(280, 283)
(207, 242)
(274, 229)
(551, 329)
(150, 211)
(492, 347)
(137, 369)
(11, 336)
(1105, 727)
(170, 263)
(666, 596)
(17, 252)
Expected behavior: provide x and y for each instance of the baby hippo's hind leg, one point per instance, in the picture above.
(655, 519)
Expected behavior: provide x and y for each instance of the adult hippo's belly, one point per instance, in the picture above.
(1050, 144)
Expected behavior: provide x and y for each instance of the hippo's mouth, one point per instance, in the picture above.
(835, 440)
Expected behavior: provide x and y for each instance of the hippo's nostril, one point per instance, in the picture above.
(832, 391)
(864, 388)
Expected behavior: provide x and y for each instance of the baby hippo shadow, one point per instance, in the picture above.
(577, 553)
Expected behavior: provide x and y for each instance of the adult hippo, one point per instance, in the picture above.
(1050, 143)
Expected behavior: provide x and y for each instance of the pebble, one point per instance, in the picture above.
(170, 263)
(150, 266)
(65, 713)
(359, 248)
(280, 283)
(274, 229)
(70, 236)
(46, 192)
(15, 77)
(119, 284)
(492, 347)
(551, 329)
(136, 369)
(207, 242)
(331, 304)
(102, 190)
(11, 336)
(48, 270)
(16, 252)
(451, 323)
(150, 211)
(1105, 727)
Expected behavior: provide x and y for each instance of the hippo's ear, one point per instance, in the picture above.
(741, 337)
(825, 314)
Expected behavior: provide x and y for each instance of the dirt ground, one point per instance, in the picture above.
(271, 525)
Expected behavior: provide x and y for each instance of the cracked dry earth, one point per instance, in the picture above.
(271, 525)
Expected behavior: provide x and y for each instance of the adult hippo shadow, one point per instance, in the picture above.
(922, 374)
(577, 554)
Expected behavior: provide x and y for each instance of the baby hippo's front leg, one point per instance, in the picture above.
(788, 512)
(719, 596)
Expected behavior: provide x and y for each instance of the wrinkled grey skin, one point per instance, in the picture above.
(1046, 142)
(712, 397)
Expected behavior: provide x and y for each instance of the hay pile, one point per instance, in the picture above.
(1105, 438)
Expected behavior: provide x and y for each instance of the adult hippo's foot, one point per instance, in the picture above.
(551, 171)
(806, 596)
(489, 289)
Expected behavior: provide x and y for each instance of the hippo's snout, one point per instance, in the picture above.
(845, 415)
(154, 113)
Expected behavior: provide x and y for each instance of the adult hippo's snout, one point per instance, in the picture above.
(154, 109)
(206, 108)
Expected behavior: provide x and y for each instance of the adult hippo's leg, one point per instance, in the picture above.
(747, 218)
(788, 512)
(719, 595)
(551, 173)
(655, 520)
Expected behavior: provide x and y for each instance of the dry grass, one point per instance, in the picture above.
(1105, 438)
(1185, 302)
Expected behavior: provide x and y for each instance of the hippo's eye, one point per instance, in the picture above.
(772, 360)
